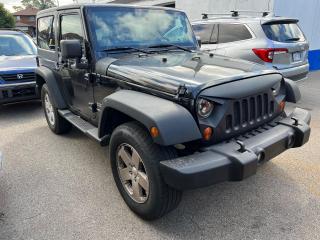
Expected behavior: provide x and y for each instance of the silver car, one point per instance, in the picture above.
(273, 41)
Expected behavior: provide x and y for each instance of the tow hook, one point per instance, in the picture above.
(242, 149)
(296, 121)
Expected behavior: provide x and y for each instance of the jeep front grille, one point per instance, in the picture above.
(250, 112)
(19, 77)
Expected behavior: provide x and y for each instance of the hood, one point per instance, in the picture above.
(167, 72)
(12, 64)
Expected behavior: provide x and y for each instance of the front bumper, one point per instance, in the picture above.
(237, 159)
(16, 92)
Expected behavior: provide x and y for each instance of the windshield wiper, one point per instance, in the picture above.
(292, 39)
(124, 49)
(166, 45)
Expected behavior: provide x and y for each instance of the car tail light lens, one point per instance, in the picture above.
(267, 54)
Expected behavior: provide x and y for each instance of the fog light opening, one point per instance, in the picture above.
(291, 141)
(207, 133)
(282, 106)
(260, 157)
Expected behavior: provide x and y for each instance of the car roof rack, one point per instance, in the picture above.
(206, 15)
(234, 13)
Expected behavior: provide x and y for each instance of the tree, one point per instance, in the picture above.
(17, 8)
(6, 18)
(40, 4)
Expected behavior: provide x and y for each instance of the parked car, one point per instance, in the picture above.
(175, 118)
(17, 65)
(275, 42)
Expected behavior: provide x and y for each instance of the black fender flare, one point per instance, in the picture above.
(293, 93)
(50, 79)
(174, 122)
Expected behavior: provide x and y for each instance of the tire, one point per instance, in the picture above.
(56, 123)
(160, 198)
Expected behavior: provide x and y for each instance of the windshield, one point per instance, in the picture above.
(283, 32)
(16, 45)
(116, 27)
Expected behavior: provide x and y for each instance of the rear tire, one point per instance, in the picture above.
(135, 167)
(56, 123)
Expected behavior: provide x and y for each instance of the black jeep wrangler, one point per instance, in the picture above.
(175, 118)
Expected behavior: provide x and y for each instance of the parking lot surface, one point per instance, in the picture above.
(61, 187)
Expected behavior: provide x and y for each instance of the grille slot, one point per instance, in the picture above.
(26, 77)
(247, 112)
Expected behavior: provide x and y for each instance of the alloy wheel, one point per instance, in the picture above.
(132, 173)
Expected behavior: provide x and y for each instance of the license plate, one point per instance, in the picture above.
(296, 56)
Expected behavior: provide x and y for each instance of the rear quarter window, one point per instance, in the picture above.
(204, 31)
(46, 34)
(233, 33)
(283, 32)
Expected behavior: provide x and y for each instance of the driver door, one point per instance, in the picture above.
(76, 87)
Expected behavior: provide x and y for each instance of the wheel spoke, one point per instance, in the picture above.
(135, 158)
(136, 190)
(143, 181)
(124, 174)
(125, 156)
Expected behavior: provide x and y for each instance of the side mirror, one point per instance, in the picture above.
(71, 54)
(70, 49)
(199, 40)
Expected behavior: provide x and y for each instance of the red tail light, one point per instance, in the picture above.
(267, 54)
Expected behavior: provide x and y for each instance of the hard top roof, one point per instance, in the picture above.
(78, 6)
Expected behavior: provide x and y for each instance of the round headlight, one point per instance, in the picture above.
(204, 108)
(276, 89)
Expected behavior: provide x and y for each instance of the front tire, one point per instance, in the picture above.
(56, 123)
(135, 167)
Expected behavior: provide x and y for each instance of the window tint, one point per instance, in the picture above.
(46, 36)
(204, 31)
(283, 32)
(233, 32)
(71, 27)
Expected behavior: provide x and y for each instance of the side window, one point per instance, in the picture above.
(233, 33)
(204, 31)
(46, 35)
(71, 27)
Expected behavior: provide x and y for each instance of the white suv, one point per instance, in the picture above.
(273, 41)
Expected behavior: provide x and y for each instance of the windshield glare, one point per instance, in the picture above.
(16, 45)
(114, 27)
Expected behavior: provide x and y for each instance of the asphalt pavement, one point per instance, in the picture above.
(61, 188)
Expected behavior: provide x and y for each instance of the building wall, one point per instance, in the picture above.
(194, 8)
(308, 14)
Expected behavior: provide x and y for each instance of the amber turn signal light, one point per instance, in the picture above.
(207, 133)
(282, 105)
(154, 132)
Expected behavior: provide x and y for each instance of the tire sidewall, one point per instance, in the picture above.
(45, 91)
(151, 164)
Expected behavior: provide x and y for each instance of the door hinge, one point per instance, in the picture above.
(93, 107)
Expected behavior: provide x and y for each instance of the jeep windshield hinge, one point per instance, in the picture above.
(92, 78)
